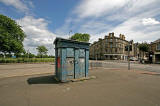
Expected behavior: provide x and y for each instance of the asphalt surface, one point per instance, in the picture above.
(124, 65)
(11, 70)
(112, 87)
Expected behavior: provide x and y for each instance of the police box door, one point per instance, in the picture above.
(79, 63)
(69, 63)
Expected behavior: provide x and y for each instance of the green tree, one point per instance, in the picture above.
(144, 47)
(81, 37)
(42, 50)
(11, 36)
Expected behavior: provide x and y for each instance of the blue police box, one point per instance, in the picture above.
(71, 59)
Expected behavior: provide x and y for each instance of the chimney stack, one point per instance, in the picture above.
(105, 37)
(120, 36)
(111, 34)
(123, 37)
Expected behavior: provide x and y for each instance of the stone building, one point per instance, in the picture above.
(155, 51)
(112, 47)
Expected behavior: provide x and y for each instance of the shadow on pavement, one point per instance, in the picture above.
(50, 79)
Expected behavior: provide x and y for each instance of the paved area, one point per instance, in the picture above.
(124, 65)
(112, 87)
(11, 70)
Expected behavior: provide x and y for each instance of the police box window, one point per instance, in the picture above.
(158, 46)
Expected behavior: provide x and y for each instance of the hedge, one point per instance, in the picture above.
(25, 60)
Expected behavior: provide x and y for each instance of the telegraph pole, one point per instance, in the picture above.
(129, 56)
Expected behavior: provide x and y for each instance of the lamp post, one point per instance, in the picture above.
(69, 33)
(129, 56)
(129, 49)
(28, 53)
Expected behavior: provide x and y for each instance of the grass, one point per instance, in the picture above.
(26, 60)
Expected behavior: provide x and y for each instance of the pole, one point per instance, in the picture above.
(28, 52)
(69, 33)
(129, 56)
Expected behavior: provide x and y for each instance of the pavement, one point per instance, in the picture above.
(112, 87)
(124, 65)
(11, 70)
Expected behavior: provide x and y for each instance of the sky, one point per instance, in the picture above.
(44, 20)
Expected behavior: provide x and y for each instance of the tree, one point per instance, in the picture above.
(81, 37)
(42, 50)
(11, 36)
(144, 47)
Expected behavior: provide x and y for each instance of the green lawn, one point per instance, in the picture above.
(26, 60)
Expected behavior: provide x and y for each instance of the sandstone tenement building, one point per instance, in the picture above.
(155, 51)
(112, 47)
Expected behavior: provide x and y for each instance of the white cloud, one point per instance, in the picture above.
(150, 21)
(37, 33)
(94, 27)
(98, 7)
(129, 17)
(134, 29)
(18, 4)
(127, 8)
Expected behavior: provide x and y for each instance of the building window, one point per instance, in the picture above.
(111, 45)
(106, 41)
(110, 40)
(116, 50)
(106, 50)
(158, 46)
(111, 51)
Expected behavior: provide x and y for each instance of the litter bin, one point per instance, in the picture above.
(71, 59)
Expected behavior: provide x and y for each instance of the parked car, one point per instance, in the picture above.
(144, 60)
(115, 58)
(133, 59)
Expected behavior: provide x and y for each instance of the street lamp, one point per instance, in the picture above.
(69, 33)
(129, 49)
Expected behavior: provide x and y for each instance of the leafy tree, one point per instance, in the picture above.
(81, 37)
(31, 55)
(11, 36)
(144, 47)
(42, 50)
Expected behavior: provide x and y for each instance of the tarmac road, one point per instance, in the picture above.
(11, 70)
(112, 87)
(124, 65)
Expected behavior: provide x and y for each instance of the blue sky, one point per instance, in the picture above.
(44, 20)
